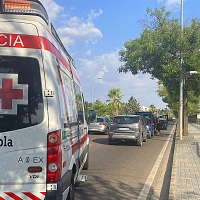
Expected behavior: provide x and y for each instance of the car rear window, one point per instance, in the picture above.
(20, 79)
(99, 119)
(146, 115)
(126, 120)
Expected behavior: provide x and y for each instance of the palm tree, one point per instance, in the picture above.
(115, 100)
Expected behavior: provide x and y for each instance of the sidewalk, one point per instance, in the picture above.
(185, 177)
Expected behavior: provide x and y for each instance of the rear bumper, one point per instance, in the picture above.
(62, 186)
(97, 130)
(121, 136)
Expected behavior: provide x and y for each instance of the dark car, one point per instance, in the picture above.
(128, 127)
(150, 116)
(162, 122)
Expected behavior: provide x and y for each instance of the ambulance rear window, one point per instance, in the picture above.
(21, 99)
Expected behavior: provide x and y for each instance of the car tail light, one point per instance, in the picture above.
(101, 124)
(136, 125)
(54, 156)
(112, 123)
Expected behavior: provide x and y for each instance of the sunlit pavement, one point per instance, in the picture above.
(185, 179)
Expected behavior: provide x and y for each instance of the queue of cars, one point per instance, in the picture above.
(138, 127)
(128, 127)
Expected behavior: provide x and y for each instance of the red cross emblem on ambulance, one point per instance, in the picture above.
(11, 94)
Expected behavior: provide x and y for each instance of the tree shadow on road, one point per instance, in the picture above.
(101, 190)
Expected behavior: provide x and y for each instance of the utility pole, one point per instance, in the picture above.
(181, 80)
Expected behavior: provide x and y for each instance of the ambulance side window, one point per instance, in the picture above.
(79, 103)
(69, 98)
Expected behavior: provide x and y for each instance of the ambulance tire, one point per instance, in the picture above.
(70, 195)
(86, 165)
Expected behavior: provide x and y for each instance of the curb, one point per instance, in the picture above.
(173, 172)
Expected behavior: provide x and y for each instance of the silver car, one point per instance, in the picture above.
(128, 127)
(101, 125)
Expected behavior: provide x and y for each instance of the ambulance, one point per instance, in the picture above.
(44, 141)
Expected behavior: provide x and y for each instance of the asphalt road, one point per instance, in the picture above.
(126, 171)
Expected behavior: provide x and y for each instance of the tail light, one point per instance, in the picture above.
(54, 157)
(136, 125)
(101, 124)
(112, 123)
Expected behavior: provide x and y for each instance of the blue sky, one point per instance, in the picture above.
(93, 31)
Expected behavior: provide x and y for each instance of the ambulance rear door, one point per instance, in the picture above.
(23, 112)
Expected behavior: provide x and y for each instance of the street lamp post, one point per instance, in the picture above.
(181, 81)
(92, 99)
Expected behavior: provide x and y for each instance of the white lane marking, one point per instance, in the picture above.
(147, 186)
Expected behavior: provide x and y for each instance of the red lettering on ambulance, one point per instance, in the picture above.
(19, 41)
(7, 93)
(2, 40)
(9, 40)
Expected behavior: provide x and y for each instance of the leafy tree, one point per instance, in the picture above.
(115, 100)
(132, 106)
(88, 107)
(157, 52)
(101, 108)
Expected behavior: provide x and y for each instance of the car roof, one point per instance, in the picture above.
(144, 112)
(126, 115)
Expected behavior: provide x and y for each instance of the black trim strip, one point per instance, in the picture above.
(63, 183)
(69, 125)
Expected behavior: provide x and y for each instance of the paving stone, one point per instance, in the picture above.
(186, 166)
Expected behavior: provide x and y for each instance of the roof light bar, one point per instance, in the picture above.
(29, 7)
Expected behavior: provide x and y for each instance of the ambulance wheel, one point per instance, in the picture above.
(70, 195)
(86, 165)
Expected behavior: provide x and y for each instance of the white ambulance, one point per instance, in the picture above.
(44, 139)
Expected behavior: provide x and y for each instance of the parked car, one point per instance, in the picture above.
(128, 127)
(151, 117)
(162, 122)
(100, 124)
